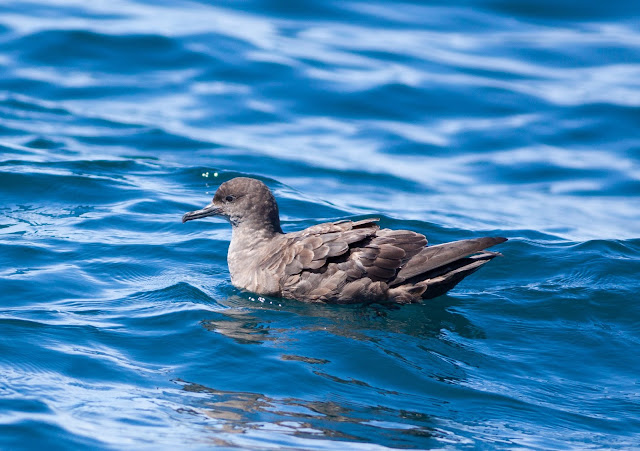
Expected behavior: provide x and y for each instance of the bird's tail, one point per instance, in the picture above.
(441, 268)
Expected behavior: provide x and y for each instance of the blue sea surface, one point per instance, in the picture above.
(119, 327)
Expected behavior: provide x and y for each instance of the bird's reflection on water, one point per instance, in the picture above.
(251, 414)
(246, 321)
(240, 326)
(282, 326)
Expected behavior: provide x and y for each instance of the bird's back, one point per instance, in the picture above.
(347, 262)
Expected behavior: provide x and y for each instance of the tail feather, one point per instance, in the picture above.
(435, 257)
(440, 279)
(439, 285)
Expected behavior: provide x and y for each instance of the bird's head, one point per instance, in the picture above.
(244, 202)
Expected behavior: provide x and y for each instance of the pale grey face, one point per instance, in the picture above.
(241, 200)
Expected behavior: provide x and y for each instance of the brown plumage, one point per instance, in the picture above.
(338, 262)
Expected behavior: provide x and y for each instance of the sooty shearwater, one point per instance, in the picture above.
(340, 262)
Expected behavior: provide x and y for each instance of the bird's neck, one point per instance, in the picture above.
(250, 235)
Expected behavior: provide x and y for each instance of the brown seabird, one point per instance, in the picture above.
(340, 262)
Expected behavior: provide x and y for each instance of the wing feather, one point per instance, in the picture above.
(442, 254)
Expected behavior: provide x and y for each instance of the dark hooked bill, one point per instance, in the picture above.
(209, 210)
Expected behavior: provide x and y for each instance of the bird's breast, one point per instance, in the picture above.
(247, 269)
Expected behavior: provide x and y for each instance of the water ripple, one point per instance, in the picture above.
(120, 325)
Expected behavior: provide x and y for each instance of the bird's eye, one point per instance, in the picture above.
(230, 198)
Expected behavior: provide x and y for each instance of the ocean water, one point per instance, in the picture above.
(119, 328)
